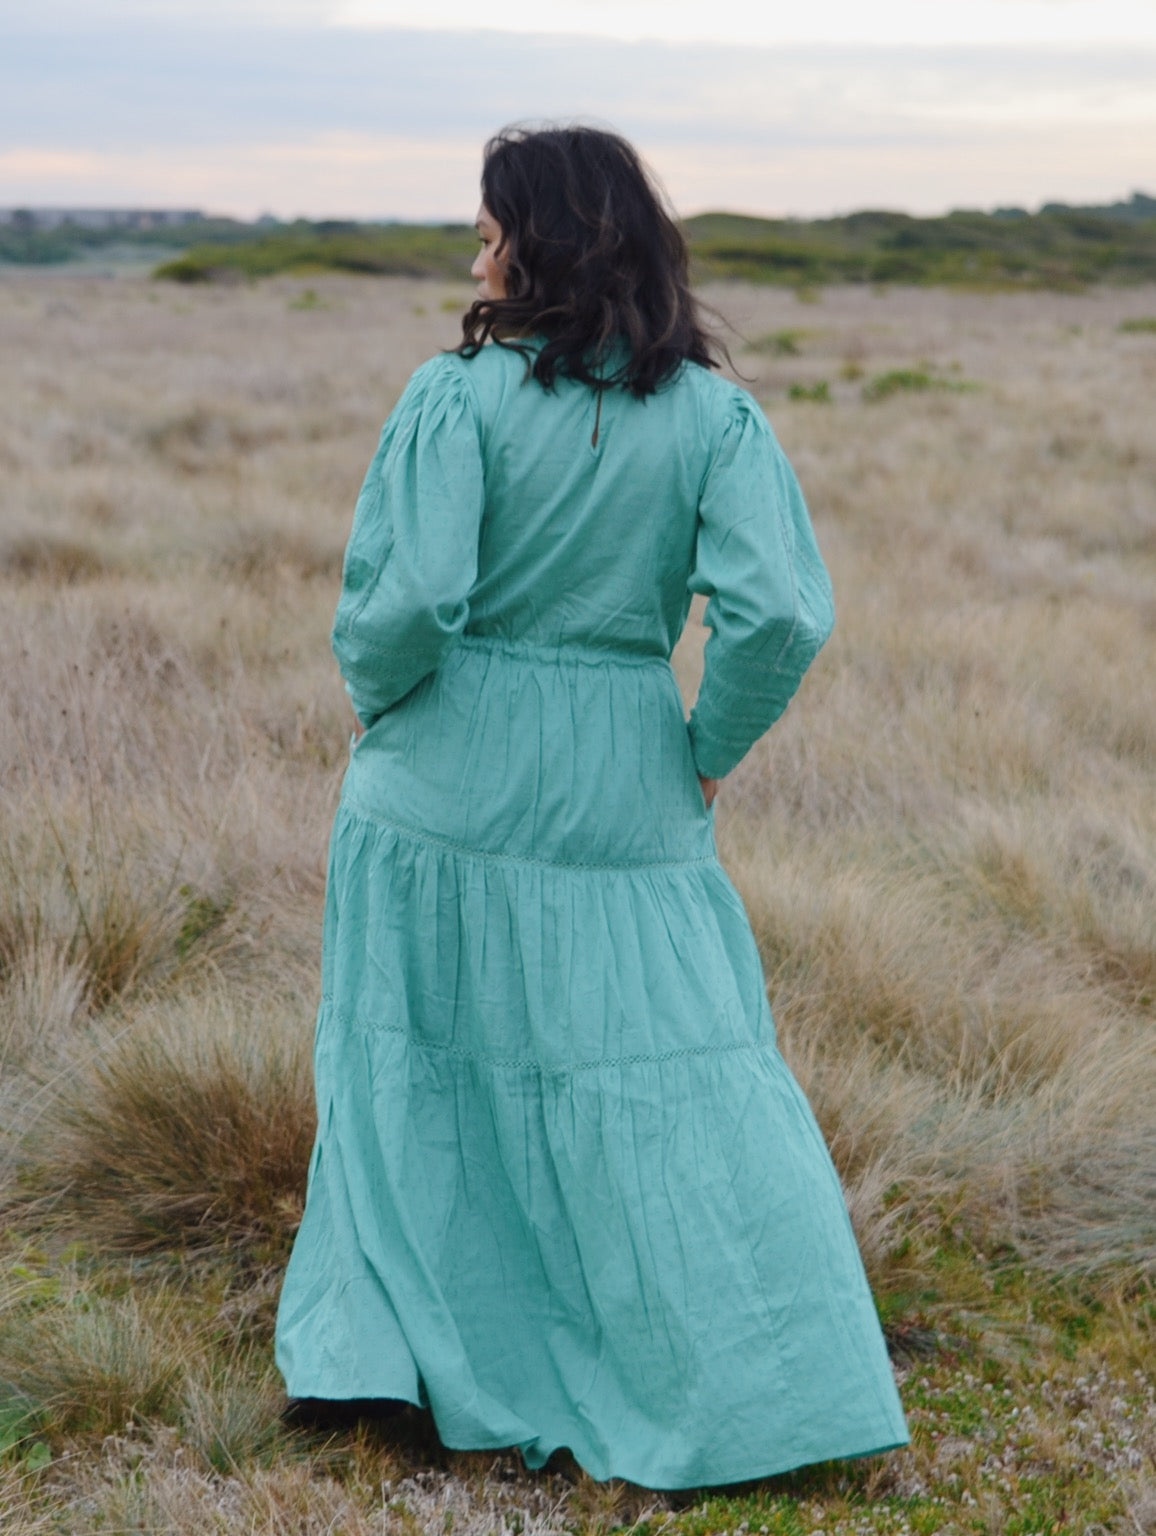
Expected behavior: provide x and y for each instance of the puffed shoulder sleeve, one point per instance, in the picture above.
(412, 556)
(769, 607)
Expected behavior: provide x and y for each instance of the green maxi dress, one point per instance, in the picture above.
(565, 1190)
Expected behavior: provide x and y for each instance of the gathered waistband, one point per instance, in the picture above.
(511, 750)
(566, 652)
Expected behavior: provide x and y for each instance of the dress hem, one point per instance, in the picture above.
(672, 1482)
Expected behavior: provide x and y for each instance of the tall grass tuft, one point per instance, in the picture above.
(21, 1511)
(43, 996)
(89, 899)
(228, 1416)
(44, 558)
(188, 1126)
(95, 1362)
(965, 1053)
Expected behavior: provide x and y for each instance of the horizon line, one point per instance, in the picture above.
(168, 211)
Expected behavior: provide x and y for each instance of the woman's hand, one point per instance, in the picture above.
(358, 729)
(709, 789)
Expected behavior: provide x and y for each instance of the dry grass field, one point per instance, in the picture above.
(947, 849)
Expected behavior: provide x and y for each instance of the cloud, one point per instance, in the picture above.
(330, 120)
(1034, 23)
(340, 174)
(62, 16)
(1000, 23)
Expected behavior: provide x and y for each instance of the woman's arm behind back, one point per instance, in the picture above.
(769, 601)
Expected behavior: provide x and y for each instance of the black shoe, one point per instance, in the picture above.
(326, 1413)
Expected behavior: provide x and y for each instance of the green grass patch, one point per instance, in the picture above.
(911, 381)
(1141, 325)
(203, 916)
(1030, 1401)
(21, 1424)
(785, 343)
(818, 393)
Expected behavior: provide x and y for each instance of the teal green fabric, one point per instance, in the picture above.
(565, 1190)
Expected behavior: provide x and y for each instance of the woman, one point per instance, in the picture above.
(565, 1190)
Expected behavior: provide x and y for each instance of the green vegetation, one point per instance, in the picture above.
(389, 250)
(1059, 247)
(912, 381)
(1142, 325)
(1029, 1407)
(21, 243)
(778, 343)
(818, 394)
(1062, 249)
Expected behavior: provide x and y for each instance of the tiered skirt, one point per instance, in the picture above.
(565, 1190)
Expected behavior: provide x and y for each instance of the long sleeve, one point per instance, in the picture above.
(769, 605)
(412, 556)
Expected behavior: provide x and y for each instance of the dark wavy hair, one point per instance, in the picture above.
(593, 259)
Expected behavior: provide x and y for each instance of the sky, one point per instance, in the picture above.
(349, 108)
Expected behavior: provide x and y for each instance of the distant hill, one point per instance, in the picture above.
(121, 219)
(1057, 247)
(44, 237)
(1138, 206)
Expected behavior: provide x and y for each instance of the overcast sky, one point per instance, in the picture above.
(336, 107)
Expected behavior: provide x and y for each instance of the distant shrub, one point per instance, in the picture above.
(194, 268)
(202, 438)
(914, 381)
(1141, 325)
(254, 554)
(42, 557)
(818, 394)
(399, 250)
(778, 343)
(897, 381)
